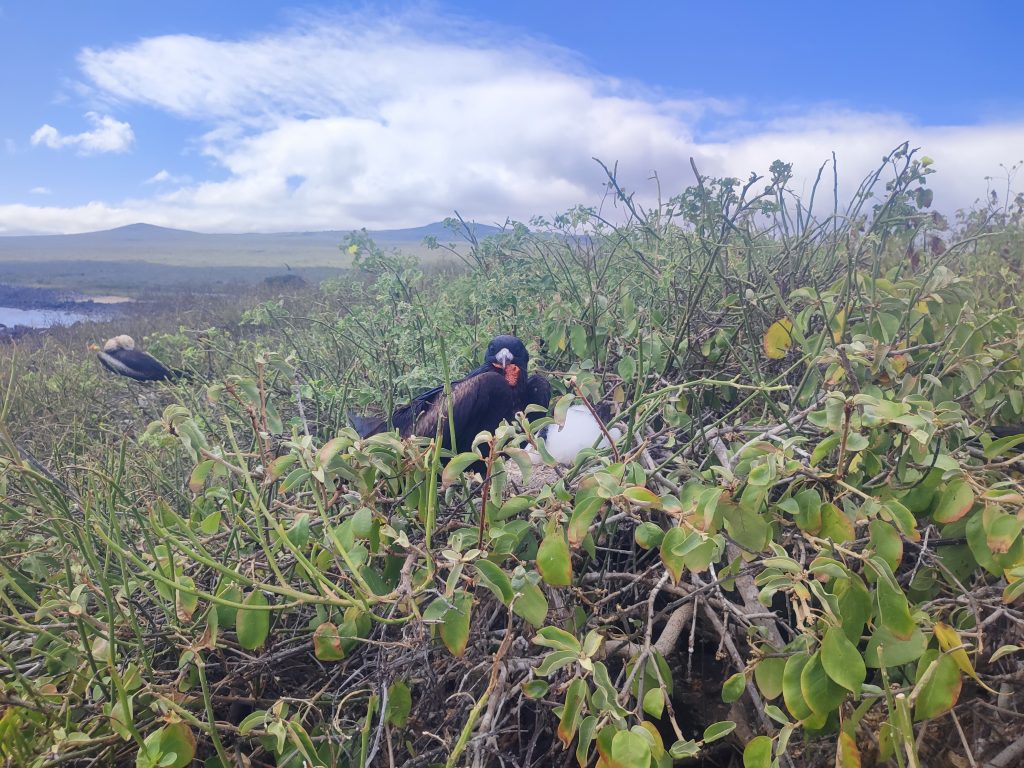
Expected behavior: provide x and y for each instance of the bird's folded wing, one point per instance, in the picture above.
(538, 392)
(134, 364)
(479, 402)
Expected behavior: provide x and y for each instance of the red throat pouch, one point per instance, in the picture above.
(512, 374)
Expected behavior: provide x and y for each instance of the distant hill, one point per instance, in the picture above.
(179, 247)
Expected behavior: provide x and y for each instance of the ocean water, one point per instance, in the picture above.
(38, 318)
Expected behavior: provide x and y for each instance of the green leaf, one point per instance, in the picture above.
(253, 626)
(835, 525)
(901, 517)
(531, 604)
(893, 608)
(455, 626)
(631, 750)
(768, 676)
(553, 558)
(1002, 445)
(119, 718)
(583, 514)
(226, 614)
(626, 369)
(942, 690)
(642, 497)
(586, 738)
(670, 555)
(555, 661)
(172, 746)
(758, 753)
(824, 448)
(198, 477)
(210, 523)
(654, 702)
(536, 689)
(1005, 650)
(733, 687)
(953, 502)
(298, 533)
(399, 704)
(791, 691)
(558, 639)
(648, 535)
(854, 605)
(748, 528)
(456, 466)
(495, 579)
(717, 731)
(842, 661)
(886, 542)
(562, 408)
(885, 649)
(684, 749)
(821, 694)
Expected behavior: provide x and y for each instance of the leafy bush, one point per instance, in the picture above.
(806, 549)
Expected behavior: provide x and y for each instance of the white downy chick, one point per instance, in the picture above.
(581, 430)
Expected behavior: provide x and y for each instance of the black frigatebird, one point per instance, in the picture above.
(120, 356)
(481, 400)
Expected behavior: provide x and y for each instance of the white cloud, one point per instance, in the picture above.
(166, 177)
(40, 191)
(384, 122)
(107, 135)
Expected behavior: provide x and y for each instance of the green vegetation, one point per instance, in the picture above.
(806, 550)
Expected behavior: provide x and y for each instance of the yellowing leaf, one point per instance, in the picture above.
(954, 502)
(847, 754)
(838, 324)
(327, 643)
(575, 699)
(778, 339)
(948, 639)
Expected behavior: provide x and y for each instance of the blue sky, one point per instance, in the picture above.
(269, 116)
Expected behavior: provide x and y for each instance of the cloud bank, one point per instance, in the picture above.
(346, 121)
(107, 135)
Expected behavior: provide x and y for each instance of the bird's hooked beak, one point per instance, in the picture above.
(505, 364)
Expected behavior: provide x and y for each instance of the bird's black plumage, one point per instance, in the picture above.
(481, 400)
(120, 356)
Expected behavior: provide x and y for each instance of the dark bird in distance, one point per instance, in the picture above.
(481, 400)
(120, 356)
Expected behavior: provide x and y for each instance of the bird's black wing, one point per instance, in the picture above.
(404, 417)
(135, 365)
(479, 403)
(1006, 431)
(538, 392)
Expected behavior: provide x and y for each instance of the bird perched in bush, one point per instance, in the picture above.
(120, 356)
(481, 400)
